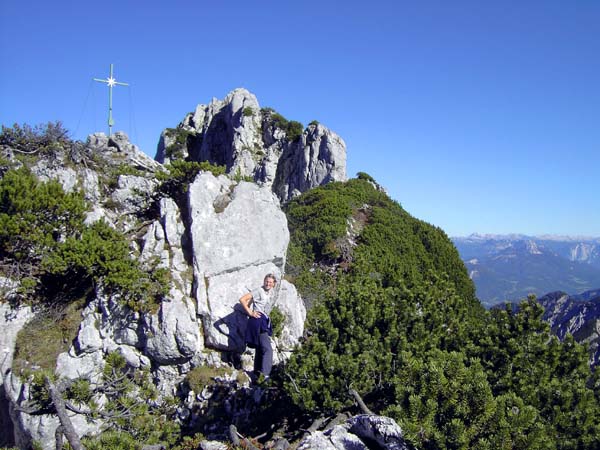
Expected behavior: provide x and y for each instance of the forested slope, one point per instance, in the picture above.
(393, 316)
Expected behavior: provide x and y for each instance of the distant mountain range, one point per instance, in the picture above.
(510, 267)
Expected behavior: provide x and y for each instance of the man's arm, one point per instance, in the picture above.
(245, 301)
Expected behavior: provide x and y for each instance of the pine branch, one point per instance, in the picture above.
(293, 383)
(33, 152)
(61, 411)
(58, 437)
(360, 402)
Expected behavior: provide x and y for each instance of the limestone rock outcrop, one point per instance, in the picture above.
(257, 143)
(216, 242)
(577, 315)
(238, 235)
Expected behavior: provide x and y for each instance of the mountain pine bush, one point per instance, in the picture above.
(45, 244)
(393, 315)
(34, 217)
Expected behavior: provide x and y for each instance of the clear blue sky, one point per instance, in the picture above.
(476, 116)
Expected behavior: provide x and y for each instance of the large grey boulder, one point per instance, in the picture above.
(90, 184)
(341, 438)
(176, 241)
(252, 142)
(379, 429)
(85, 365)
(238, 235)
(361, 432)
(153, 245)
(88, 338)
(131, 194)
(288, 301)
(213, 445)
(223, 318)
(318, 441)
(234, 226)
(336, 438)
(66, 176)
(163, 244)
(173, 334)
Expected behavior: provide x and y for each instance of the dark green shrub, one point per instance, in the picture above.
(101, 254)
(126, 169)
(41, 139)
(176, 149)
(80, 391)
(442, 400)
(248, 111)
(239, 177)
(365, 176)
(112, 440)
(176, 181)
(279, 121)
(293, 129)
(34, 217)
(267, 110)
(277, 321)
(190, 442)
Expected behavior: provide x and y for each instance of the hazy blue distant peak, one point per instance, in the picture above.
(493, 237)
(509, 267)
(520, 237)
(587, 296)
(552, 237)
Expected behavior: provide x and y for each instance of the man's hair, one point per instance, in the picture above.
(271, 276)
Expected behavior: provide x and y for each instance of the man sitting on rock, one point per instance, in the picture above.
(259, 326)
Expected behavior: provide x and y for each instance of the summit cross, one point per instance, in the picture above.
(111, 82)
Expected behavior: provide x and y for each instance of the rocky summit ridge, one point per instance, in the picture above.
(216, 238)
(257, 143)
